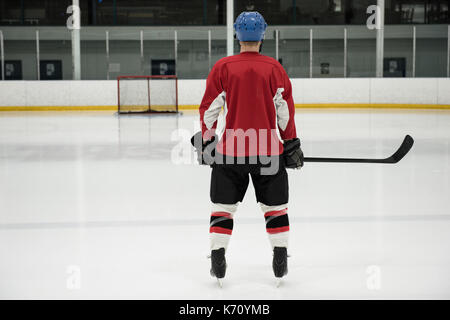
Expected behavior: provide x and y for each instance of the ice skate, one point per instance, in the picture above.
(218, 265)
(279, 263)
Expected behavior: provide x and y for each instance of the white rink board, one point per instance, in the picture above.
(412, 91)
(58, 93)
(324, 91)
(190, 92)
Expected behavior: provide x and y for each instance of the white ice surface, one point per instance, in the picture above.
(92, 206)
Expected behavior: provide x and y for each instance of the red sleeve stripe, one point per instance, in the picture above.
(221, 214)
(275, 213)
(277, 230)
(220, 230)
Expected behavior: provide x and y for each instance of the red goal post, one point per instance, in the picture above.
(147, 94)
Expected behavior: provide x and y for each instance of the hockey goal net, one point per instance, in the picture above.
(147, 94)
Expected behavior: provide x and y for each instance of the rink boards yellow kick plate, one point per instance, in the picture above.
(195, 107)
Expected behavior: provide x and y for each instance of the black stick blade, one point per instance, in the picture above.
(406, 145)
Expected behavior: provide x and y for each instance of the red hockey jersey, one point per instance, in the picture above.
(256, 95)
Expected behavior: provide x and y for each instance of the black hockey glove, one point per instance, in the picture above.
(205, 150)
(293, 154)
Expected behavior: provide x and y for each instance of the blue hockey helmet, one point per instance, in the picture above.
(250, 26)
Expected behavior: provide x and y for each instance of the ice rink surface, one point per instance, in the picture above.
(93, 205)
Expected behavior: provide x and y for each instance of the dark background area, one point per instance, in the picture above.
(213, 12)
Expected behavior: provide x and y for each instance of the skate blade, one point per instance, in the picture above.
(219, 282)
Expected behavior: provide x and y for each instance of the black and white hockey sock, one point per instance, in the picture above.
(277, 224)
(221, 225)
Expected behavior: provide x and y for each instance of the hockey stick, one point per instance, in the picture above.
(396, 157)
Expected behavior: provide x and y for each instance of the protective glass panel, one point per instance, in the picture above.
(193, 55)
(20, 59)
(328, 53)
(124, 53)
(94, 65)
(361, 52)
(432, 51)
(398, 51)
(55, 50)
(158, 53)
(294, 51)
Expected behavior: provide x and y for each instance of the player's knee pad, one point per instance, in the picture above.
(222, 218)
(276, 217)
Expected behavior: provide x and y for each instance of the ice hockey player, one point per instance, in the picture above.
(256, 95)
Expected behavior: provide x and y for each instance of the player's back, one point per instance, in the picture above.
(249, 83)
(249, 91)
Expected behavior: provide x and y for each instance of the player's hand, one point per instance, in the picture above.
(205, 149)
(293, 154)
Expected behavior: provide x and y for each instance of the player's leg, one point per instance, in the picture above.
(277, 224)
(272, 193)
(228, 186)
(221, 224)
(221, 227)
